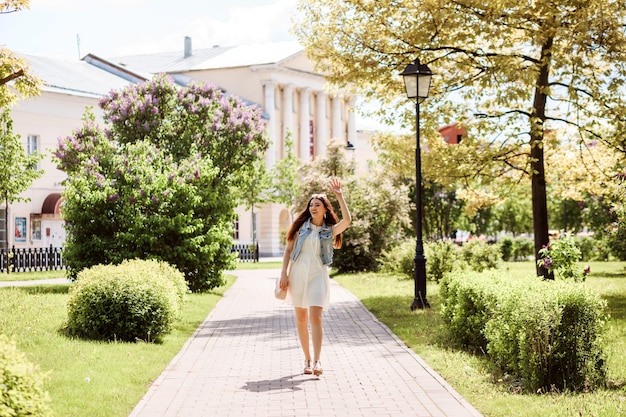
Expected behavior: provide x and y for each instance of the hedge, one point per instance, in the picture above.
(546, 333)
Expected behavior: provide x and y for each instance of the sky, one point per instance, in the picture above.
(71, 29)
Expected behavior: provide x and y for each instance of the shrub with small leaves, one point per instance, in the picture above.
(399, 259)
(135, 300)
(523, 248)
(481, 256)
(561, 256)
(506, 248)
(22, 391)
(160, 179)
(441, 259)
(548, 334)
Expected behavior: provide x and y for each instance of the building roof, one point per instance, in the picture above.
(210, 58)
(73, 77)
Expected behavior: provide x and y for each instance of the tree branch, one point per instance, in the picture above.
(11, 77)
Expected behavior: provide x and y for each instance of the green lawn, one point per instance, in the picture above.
(389, 298)
(30, 276)
(108, 379)
(88, 378)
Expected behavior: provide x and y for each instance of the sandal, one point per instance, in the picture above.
(317, 369)
(307, 367)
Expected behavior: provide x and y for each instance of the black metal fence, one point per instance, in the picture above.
(247, 253)
(31, 259)
(47, 259)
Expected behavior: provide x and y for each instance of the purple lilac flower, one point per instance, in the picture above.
(548, 263)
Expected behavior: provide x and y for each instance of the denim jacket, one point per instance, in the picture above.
(326, 242)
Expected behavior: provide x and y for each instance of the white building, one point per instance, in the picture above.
(70, 87)
(278, 77)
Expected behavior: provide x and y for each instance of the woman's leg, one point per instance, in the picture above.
(302, 325)
(317, 331)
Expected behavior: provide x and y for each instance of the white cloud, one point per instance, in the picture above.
(237, 25)
(119, 27)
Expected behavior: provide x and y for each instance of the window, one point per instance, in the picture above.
(35, 228)
(32, 146)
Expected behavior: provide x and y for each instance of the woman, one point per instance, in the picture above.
(310, 243)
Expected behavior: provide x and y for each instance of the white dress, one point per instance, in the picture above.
(309, 283)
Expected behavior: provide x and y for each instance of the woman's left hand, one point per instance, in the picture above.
(335, 186)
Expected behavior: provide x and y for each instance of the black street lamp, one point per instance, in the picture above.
(417, 83)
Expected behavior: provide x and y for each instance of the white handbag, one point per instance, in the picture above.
(278, 293)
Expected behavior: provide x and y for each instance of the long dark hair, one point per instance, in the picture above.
(330, 218)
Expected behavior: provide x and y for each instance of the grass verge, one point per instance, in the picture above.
(492, 393)
(31, 276)
(87, 378)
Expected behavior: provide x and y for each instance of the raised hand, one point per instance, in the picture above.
(335, 186)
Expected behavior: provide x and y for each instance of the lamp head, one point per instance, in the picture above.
(417, 79)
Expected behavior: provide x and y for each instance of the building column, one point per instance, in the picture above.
(337, 134)
(305, 129)
(287, 115)
(352, 121)
(320, 124)
(270, 108)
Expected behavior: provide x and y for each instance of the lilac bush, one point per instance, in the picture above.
(159, 180)
(561, 256)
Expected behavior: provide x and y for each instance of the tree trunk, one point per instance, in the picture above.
(6, 234)
(538, 179)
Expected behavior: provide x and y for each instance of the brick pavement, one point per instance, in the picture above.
(244, 360)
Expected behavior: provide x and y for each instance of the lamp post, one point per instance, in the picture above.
(417, 83)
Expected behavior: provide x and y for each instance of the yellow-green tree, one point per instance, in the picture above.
(14, 68)
(508, 71)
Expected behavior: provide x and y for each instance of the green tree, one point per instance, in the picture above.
(514, 214)
(18, 170)
(507, 71)
(159, 181)
(254, 191)
(285, 175)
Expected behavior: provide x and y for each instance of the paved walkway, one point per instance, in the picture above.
(244, 360)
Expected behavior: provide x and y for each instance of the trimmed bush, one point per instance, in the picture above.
(593, 248)
(399, 259)
(441, 258)
(481, 256)
(21, 384)
(468, 301)
(550, 338)
(523, 248)
(135, 300)
(546, 333)
(506, 248)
